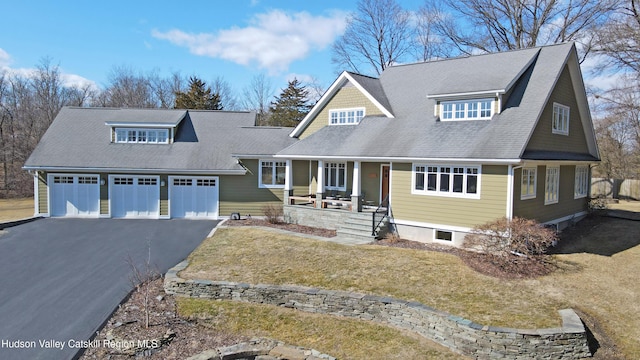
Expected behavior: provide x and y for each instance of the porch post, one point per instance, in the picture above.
(288, 182)
(356, 203)
(320, 184)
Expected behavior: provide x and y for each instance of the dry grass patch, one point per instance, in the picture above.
(435, 279)
(15, 209)
(339, 337)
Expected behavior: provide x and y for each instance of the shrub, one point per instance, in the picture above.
(598, 204)
(273, 213)
(505, 237)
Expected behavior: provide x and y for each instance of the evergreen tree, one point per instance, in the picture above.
(199, 97)
(291, 106)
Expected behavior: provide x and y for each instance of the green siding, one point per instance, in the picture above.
(240, 193)
(536, 209)
(104, 194)
(543, 138)
(43, 198)
(370, 175)
(448, 210)
(346, 97)
(164, 195)
(300, 177)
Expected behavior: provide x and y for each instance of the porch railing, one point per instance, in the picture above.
(379, 216)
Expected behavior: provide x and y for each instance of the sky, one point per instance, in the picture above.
(235, 40)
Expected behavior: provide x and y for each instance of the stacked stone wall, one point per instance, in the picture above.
(461, 335)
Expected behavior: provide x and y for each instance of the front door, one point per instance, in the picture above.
(384, 186)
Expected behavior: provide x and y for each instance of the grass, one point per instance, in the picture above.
(15, 209)
(435, 279)
(339, 337)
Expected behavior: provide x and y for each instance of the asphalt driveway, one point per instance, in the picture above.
(60, 279)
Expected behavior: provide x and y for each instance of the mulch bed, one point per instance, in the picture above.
(284, 226)
(169, 336)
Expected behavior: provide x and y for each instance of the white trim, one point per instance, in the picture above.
(407, 159)
(337, 84)
(575, 182)
(356, 181)
(465, 95)
(553, 119)
(346, 110)
(337, 176)
(466, 110)
(137, 171)
(510, 189)
(157, 131)
(547, 183)
(36, 196)
(431, 225)
(142, 125)
(451, 194)
(274, 175)
(535, 183)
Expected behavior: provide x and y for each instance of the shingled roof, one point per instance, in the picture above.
(79, 138)
(411, 92)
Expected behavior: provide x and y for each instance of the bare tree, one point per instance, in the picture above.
(619, 40)
(499, 25)
(378, 34)
(127, 89)
(221, 87)
(428, 44)
(257, 97)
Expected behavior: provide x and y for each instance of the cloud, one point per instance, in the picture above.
(68, 80)
(273, 40)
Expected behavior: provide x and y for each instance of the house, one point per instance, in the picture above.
(447, 145)
(144, 163)
(433, 148)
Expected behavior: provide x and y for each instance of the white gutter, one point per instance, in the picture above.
(402, 159)
(137, 171)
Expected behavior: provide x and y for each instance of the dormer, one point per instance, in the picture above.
(467, 106)
(145, 129)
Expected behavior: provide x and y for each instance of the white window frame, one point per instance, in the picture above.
(552, 185)
(350, 116)
(332, 181)
(440, 172)
(460, 110)
(560, 120)
(274, 165)
(582, 183)
(530, 192)
(141, 136)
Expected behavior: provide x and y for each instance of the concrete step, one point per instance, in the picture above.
(358, 237)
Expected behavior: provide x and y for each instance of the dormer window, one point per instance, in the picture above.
(142, 136)
(477, 109)
(346, 116)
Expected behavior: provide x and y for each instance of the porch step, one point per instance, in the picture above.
(357, 226)
(355, 237)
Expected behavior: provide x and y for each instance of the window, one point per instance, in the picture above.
(122, 181)
(206, 182)
(466, 110)
(272, 173)
(182, 182)
(552, 183)
(87, 179)
(346, 116)
(335, 176)
(147, 181)
(443, 235)
(63, 179)
(582, 182)
(446, 180)
(528, 184)
(560, 119)
(142, 136)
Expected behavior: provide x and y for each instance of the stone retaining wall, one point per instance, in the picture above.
(459, 334)
(309, 216)
(265, 349)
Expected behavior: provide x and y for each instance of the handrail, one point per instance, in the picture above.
(375, 225)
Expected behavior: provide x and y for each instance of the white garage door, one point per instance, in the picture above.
(74, 195)
(194, 197)
(135, 196)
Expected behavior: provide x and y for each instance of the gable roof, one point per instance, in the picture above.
(368, 86)
(412, 91)
(79, 138)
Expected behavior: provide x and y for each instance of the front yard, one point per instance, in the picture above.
(16, 209)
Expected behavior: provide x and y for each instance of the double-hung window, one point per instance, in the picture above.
(466, 110)
(458, 181)
(552, 185)
(335, 176)
(528, 183)
(560, 119)
(346, 116)
(582, 182)
(272, 173)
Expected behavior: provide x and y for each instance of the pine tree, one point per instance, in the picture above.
(291, 106)
(199, 97)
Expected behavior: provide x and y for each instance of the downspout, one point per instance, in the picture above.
(510, 187)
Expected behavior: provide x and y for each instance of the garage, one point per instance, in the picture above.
(74, 195)
(134, 196)
(193, 197)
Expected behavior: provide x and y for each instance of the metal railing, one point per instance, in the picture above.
(379, 216)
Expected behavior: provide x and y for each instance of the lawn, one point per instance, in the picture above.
(598, 263)
(15, 209)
